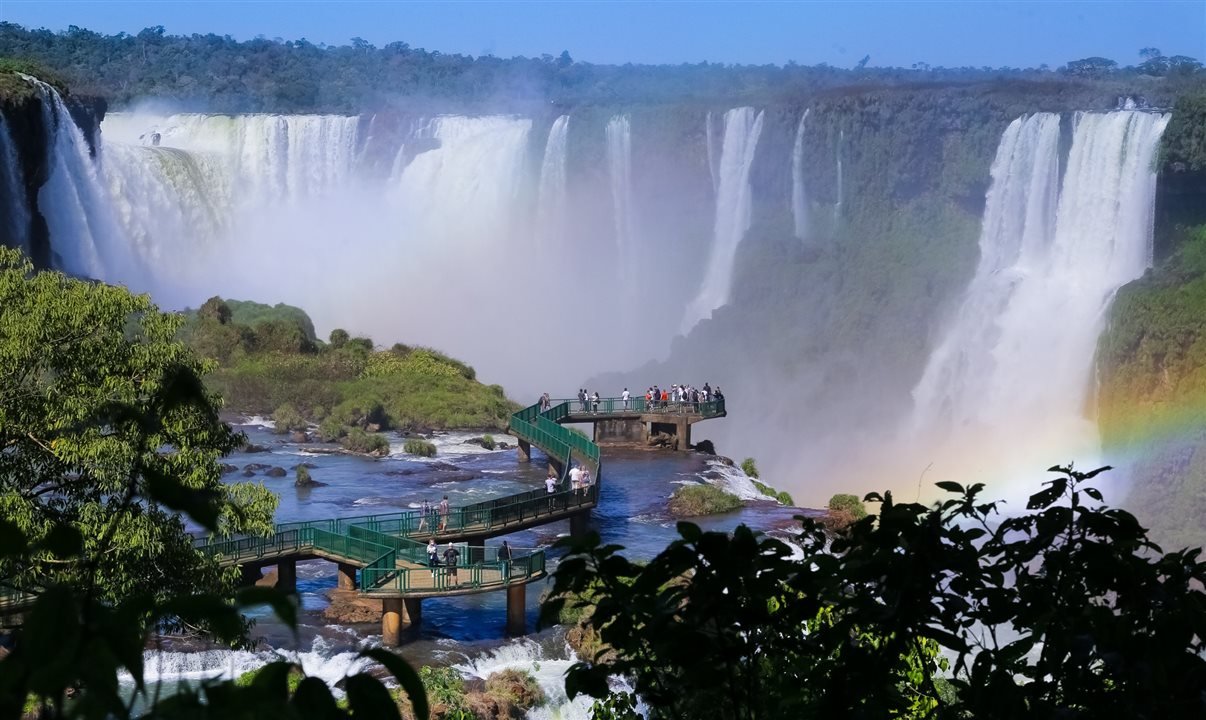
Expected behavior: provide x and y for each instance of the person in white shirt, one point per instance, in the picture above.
(550, 484)
(576, 478)
(625, 396)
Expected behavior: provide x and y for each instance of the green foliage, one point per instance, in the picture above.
(488, 441)
(339, 338)
(110, 441)
(287, 419)
(850, 504)
(331, 429)
(702, 499)
(518, 687)
(1184, 140)
(14, 88)
(303, 476)
(616, 706)
(253, 314)
(782, 496)
(446, 687)
(749, 467)
(360, 441)
(419, 446)
(1060, 612)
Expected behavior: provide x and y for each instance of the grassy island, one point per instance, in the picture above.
(270, 362)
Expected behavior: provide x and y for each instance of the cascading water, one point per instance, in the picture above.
(550, 203)
(14, 225)
(742, 126)
(1015, 366)
(74, 200)
(798, 207)
(713, 156)
(619, 162)
(837, 206)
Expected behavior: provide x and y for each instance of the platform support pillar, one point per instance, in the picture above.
(347, 576)
(391, 621)
(412, 612)
(516, 598)
(525, 451)
(286, 576)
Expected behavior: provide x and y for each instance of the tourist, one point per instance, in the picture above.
(625, 396)
(433, 557)
(550, 484)
(585, 481)
(451, 555)
(595, 402)
(444, 513)
(576, 479)
(582, 398)
(423, 514)
(545, 403)
(504, 557)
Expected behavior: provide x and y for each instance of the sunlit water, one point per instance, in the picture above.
(467, 631)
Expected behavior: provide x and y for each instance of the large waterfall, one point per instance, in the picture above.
(550, 202)
(799, 210)
(14, 226)
(742, 126)
(1014, 369)
(619, 162)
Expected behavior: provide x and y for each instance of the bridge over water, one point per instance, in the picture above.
(384, 556)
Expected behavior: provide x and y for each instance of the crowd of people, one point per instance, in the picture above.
(656, 398)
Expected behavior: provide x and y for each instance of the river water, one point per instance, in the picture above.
(466, 631)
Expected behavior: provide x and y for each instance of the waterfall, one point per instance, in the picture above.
(14, 225)
(619, 163)
(837, 206)
(74, 200)
(798, 208)
(713, 156)
(550, 204)
(742, 126)
(1015, 365)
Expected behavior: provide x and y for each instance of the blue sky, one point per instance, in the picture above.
(1018, 33)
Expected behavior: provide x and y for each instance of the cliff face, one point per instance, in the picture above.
(33, 130)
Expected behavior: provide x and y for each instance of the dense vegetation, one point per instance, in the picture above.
(110, 443)
(271, 364)
(698, 500)
(951, 611)
(218, 73)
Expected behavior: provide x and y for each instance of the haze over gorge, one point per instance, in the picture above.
(890, 274)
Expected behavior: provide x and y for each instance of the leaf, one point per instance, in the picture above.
(201, 505)
(50, 637)
(313, 699)
(949, 486)
(369, 699)
(273, 680)
(1093, 493)
(63, 541)
(280, 603)
(12, 541)
(406, 677)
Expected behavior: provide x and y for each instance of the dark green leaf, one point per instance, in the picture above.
(63, 541)
(406, 677)
(368, 698)
(313, 699)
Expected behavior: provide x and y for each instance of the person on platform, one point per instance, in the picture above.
(595, 402)
(451, 556)
(444, 513)
(504, 557)
(423, 513)
(624, 395)
(576, 478)
(550, 484)
(433, 557)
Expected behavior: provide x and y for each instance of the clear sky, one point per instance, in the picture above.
(894, 32)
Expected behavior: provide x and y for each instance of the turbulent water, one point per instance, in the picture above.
(799, 209)
(1014, 368)
(742, 126)
(619, 163)
(14, 226)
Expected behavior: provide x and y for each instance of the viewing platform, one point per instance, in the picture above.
(636, 420)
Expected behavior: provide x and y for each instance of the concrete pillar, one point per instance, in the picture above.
(556, 466)
(251, 574)
(412, 610)
(477, 550)
(391, 621)
(525, 451)
(347, 576)
(682, 434)
(516, 597)
(579, 524)
(286, 576)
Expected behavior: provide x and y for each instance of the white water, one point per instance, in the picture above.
(713, 155)
(73, 199)
(550, 204)
(15, 230)
(837, 206)
(799, 209)
(1014, 369)
(619, 163)
(742, 126)
(549, 673)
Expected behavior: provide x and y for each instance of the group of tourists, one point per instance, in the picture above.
(587, 401)
(580, 480)
(452, 557)
(434, 516)
(678, 396)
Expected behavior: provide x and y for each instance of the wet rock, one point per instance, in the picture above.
(256, 467)
(323, 450)
(249, 473)
(706, 447)
(228, 469)
(406, 471)
(253, 448)
(503, 446)
(373, 427)
(298, 436)
(276, 472)
(307, 465)
(350, 607)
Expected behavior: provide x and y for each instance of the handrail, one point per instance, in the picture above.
(638, 404)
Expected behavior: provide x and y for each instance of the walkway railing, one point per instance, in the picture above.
(620, 406)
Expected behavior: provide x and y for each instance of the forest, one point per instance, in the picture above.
(221, 74)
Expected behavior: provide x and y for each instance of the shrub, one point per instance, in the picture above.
(338, 338)
(517, 686)
(488, 442)
(288, 419)
(781, 495)
(695, 500)
(846, 503)
(419, 446)
(749, 468)
(444, 685)
(303, 476)
(331, 430)
(360, 441)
